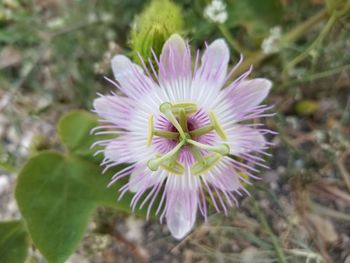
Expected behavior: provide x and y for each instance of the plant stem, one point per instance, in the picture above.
(232, 42)
(257, 57)
(319, 75)
(315, 44)
(324, 211)
(299, 30)
(267, 228)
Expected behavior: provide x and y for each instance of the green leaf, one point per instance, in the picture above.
(74, 130)
(54, 204)
(13, 242)
(57, 196)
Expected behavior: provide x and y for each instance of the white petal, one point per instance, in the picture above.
(209, 78)
(175, 69)
(214, 63)
(242, 139)
(240, 101)
(115, 109)
(143, 178)
(224, 177)
(182, 213)
(175, 55)
(250, 93)
(133, 82)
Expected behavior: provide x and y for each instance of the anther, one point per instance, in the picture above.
(201, 131)
(183, 120)
(208, 162)
(173, 166)
(155, 163)
(197, 154)
(217, 127)
(166, 134)
(222, 149)
(188, 107)
(150, 130)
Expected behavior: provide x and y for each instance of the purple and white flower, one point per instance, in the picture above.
(180, 129)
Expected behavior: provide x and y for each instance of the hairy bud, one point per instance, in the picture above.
(153, 27)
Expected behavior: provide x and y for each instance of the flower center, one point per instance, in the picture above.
(177, 114)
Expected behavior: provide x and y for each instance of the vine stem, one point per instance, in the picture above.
(258, 56)
(314, 46)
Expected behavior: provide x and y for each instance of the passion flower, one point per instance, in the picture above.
(180, 130)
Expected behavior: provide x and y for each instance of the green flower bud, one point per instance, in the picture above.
(153, 27)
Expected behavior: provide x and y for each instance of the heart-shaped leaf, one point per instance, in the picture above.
(74, 129)
(54, 203)
(13, 242)
(56, 195)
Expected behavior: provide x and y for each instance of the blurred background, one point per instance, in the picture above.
(54, 54)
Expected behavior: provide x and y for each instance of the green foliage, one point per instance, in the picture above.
(54, 203)
(156, 23)
(56, 196)
(74, 129)
(255, 15)
(13, 242)
(57, 193)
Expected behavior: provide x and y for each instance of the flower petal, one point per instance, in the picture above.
(224, 177)
(209, 78)
(249, 94)
(242, 101)
(114, 109)
(175, 59)
(118, 151)
(182, 211)
(129, 148)
(133, 82)
(242, 139)
(141, 178)
(214, 63)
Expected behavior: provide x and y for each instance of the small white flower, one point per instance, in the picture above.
(106, 17)
(216, 11)
(92, 18)
(56, 23)
(270, 44)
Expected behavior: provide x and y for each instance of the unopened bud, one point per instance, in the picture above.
(153, 27)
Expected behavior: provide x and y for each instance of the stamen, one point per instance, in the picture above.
(197, 154)
(203, 166)
(155, 163)
(217, 127)
(150, 130)
(166, 134)
(183, 120)
(188, 107)
(166, 109)
(222, 149)
(201, 131)
(173, 166)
